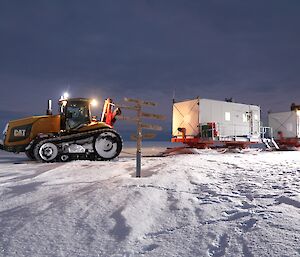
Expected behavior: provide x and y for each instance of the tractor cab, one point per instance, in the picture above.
(75, 113)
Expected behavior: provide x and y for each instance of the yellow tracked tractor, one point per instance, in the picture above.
(71, 134)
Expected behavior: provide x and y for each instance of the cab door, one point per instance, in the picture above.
(77, 114)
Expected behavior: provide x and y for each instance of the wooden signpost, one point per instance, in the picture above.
(144, 136)
(139, 136)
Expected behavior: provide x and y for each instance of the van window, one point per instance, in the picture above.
(227, 116)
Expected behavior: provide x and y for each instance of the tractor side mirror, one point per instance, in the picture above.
(117, 111)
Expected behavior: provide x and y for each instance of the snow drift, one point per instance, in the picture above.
(206, 204)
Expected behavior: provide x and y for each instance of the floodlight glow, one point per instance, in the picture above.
(66, 95)
(94, 102)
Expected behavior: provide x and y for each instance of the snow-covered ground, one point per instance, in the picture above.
(206, 204)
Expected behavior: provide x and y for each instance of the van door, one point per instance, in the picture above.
(186, 115)
(255, 122)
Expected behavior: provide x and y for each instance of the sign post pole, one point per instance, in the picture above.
(139, 142)
(140, 126)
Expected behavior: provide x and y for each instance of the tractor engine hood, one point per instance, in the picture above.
(21, 132)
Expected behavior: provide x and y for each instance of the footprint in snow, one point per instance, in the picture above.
(173, 202)
(121, 230)
(288, 201)
(247, 205)
(246, 250)
(218, 249)
(149, 248)
(238, 215)
(248, 225)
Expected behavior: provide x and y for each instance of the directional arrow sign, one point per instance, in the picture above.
(148, 103)
(127, 99)
(135, 108)
(153, 116)
(127, 118)
(151, 127)
(139, 101)
(145, 136)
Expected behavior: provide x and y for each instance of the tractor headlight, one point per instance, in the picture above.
(94, 102)
(4, 134)
(5, 129)
(66, 95)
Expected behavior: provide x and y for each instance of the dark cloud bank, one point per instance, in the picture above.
(248, 50)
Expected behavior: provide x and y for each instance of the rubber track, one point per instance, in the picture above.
(77, 136)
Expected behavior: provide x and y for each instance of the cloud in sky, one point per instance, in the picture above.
(248, 50)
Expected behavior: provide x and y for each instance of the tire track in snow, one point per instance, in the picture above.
(36, 171)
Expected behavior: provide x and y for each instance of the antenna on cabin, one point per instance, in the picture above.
(174, 96)
(229, 100)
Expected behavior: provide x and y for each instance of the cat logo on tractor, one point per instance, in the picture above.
(20, 132)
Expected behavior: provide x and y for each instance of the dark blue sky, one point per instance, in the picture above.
(248, 50)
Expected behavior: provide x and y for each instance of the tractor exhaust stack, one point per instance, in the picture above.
(49, 110)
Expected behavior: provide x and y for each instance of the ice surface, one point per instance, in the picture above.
(205, 204)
